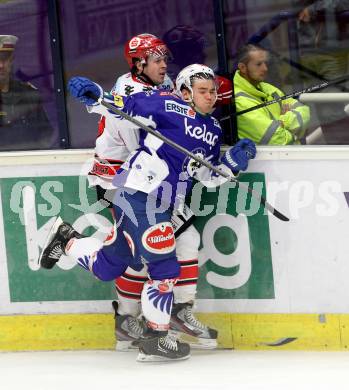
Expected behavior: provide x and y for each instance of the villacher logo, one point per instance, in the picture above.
(159, 238)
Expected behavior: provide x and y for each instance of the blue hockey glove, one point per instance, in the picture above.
(248, 146)
(236, 158)
(80, 86)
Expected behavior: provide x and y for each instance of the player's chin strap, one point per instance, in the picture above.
(190, 154)
(145, 79)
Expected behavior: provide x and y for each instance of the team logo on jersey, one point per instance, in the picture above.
(118, 101)
(159, 239)
(200, 133)
(190, 166)
(134, 43)
(130, 242)
(181, 109)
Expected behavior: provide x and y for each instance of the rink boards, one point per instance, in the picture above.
(263, 283)
(237, 331)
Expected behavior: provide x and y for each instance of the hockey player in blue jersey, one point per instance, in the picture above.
(152, 182)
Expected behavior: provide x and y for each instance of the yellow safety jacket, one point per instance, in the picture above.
(268, 125)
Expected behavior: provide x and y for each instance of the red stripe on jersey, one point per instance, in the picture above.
(128, 286)
(136, 297)
(189, 271)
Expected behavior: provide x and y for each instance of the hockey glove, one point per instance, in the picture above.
(236, 158)
(80, 86)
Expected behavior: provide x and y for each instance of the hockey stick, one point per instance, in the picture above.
(185, 226)
(313, 88)
(183, 150)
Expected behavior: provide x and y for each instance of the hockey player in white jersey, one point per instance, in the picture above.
(155, 175)
(147, 57)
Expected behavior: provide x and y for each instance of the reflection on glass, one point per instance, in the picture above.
(23, 121)
(323, 33)
(28, 112)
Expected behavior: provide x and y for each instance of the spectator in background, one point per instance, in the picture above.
(23, 121)
(281, 123)
(323, 34)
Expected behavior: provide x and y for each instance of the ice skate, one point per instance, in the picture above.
(184, 325)
(58, 237)
(128, 331)
(162, 347)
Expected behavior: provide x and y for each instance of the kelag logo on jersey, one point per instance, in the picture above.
(200, 133)
(180, 109)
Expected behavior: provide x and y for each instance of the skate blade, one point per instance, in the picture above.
(126, 346)
(143, 358)
(194, 342)
(51, 233)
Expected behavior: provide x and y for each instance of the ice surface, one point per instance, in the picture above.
(223, 369)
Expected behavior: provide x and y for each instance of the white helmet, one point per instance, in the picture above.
(196, 71)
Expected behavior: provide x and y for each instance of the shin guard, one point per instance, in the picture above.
(157, 300)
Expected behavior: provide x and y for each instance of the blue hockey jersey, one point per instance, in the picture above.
(155, 164)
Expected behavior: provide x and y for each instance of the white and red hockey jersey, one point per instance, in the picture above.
(118, 138)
